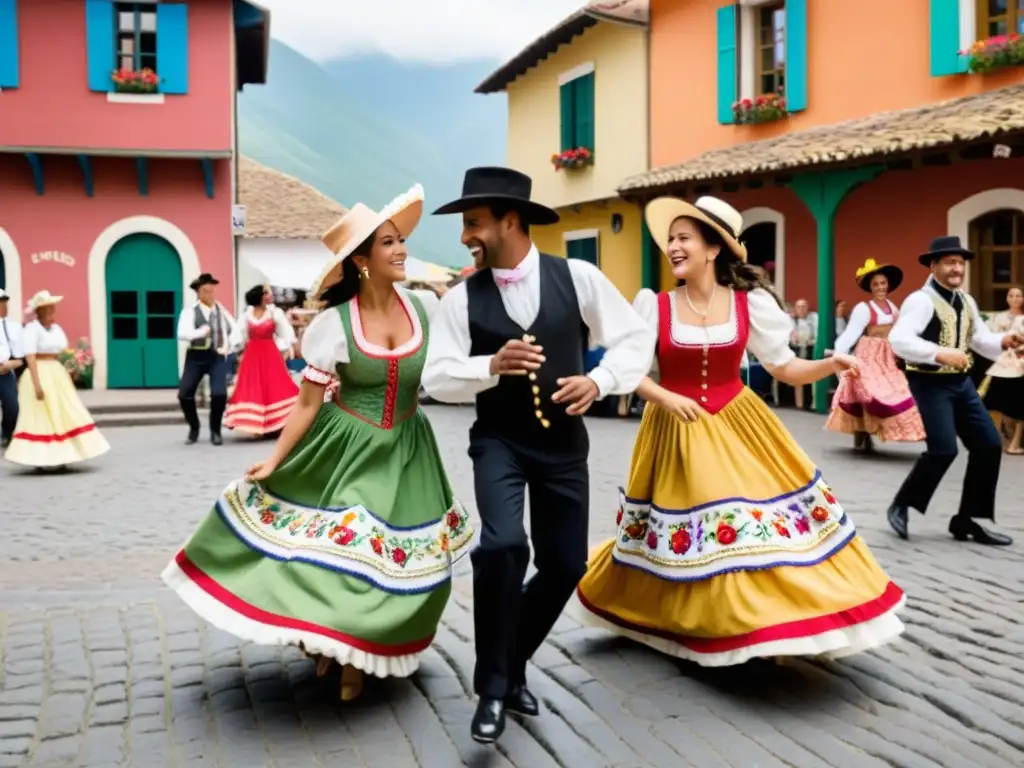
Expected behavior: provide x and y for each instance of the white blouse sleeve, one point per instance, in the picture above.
(859, 319)
(324, 347)
(646, 305)
(284, 334)
(770, 330)
(30, 339)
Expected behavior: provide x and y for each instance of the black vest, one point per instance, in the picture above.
(508, 410)
(933, 331)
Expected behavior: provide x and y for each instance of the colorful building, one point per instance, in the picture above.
(581, 89)
(844, 131)
(118, 191)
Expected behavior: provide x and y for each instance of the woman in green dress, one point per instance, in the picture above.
(342, 542)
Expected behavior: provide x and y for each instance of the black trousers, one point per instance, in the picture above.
(199, 363)
(512, 619)
(8, 404)
(950, 408)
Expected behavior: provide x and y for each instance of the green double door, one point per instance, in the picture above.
(143, 275)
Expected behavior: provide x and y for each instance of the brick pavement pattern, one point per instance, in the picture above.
(102, 666)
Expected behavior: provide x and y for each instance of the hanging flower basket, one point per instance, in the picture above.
(132, 81)
(572, 158)
(995, 53)
(763, 109)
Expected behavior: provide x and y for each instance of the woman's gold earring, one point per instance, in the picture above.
(366, 273)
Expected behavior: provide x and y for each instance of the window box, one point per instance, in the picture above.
(761, 109)
(572, 158)
(995, 53)
(135, 81)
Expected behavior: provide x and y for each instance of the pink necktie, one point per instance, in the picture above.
(511, 276)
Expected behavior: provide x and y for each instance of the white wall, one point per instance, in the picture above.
(300, 258)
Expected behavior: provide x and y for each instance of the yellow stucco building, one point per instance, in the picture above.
(582, 88)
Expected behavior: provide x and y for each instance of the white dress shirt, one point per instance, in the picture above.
(860, 319)
(39, 340)
(187, 330)
(11, 343)
(284, 334)
(915, 314)
(451, 375)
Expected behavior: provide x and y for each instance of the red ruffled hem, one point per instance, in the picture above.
(34, 438)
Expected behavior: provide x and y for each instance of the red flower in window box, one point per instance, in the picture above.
(995, 53)
(762, 109)
(573, 158)
(135, 81)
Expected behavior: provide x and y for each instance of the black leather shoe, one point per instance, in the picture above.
(897, 517)
(521, 702)
(193, 436)
(216, 439)
(488, 722)
(4, 442)
(963, 528)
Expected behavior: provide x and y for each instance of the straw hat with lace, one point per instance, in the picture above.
(43, 299)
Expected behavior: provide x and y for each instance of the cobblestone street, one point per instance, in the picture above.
(102, 666)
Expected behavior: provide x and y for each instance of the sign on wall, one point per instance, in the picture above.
(57, 257)
(238, 219)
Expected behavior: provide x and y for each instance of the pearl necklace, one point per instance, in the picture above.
(707, 311)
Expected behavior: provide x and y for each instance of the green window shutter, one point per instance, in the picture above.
(796, 55)
(582, 248)
(568, 105)
(728, 84)
(944, 26)
(650, 260)
(584, 107)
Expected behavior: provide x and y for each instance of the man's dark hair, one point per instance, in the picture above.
(501, 207)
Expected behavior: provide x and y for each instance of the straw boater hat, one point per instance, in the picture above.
(359, 223)
(871, 268)
(717, 214)
(44, 299)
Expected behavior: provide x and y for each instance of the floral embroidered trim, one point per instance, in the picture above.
(351, 540)
(390, 396)
(316, 376)
(800, 528)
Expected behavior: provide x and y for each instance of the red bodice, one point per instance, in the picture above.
(261, 329)
(706, 373)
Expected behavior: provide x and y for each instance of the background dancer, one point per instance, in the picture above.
(512, 336)
(1001, 382)
(878, 402)
(937, 327)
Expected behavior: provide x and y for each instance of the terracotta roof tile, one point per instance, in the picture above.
(933, 126)
(281, 206)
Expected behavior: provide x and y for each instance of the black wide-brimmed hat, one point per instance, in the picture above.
(500, 185)
(204, 279)
(871, 268)
(948, 245)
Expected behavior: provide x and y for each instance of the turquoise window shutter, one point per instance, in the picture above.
(567, 101)
(796, 55)
(100, 43)
(589, 250)
(945, 38)
(9, 72)
(728, 85)
(584, 92)
(172, 47)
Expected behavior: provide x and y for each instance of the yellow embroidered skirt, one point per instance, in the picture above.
(731, 546)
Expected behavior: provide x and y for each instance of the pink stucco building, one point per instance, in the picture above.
(118, 200)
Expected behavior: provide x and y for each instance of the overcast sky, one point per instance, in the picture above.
(414, 30)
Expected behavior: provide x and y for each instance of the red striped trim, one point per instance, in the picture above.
(54, 438)
(236, 604)
(266, 410)
(792, 630)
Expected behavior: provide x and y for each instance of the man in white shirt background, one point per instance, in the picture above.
(11, 360)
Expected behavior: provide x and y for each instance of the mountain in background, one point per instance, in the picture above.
(368, 128)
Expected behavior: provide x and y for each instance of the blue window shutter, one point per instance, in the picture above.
(584, 87)
(945, 38)
(728, 86)
(172, 47)
(796, 55)
(99, 36)
(9, 44)
(567, 101)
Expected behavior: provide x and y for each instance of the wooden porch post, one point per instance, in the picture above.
(822, 192)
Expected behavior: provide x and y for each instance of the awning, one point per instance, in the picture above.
(299, 271)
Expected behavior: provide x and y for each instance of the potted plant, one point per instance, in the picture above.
(573, 158)
(761, 109)
(78, 361)
(995, 53)
(135, 81)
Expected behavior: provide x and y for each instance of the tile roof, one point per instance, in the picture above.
(280, 206)
(860, 141)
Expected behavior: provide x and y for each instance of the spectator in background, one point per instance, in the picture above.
(805, 332)
(842, 317)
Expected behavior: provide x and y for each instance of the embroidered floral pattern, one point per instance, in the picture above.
(316, 376)
(801, 522)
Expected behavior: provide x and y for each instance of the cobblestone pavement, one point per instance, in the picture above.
(102, 667)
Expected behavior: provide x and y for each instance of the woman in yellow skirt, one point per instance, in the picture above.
(54, 429)
(730, 544)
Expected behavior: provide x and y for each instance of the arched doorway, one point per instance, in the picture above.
(144, 286)
(760, 242)
(3, 271)
(997, 239)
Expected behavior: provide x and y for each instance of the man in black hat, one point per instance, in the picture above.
(207, 327)
(937, 328)
(512, 337)
(12, 360)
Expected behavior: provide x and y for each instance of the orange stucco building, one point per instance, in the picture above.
(876, 133)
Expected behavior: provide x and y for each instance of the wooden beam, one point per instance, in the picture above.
(86, 165)
(36, 162)
(731, 187)
(142, 171)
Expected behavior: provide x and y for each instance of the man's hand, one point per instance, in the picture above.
(516, 358)
(953, 358)
(579, 391)
(1012, 340)
(5, 368)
